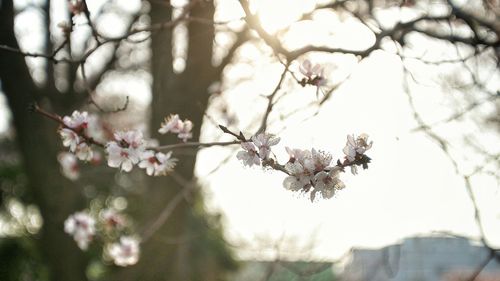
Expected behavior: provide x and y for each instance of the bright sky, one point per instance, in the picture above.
(410, 188)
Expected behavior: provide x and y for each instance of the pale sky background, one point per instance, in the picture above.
(410, 188)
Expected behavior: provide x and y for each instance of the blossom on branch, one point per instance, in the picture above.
(313, 74)
(249, 154)
(84, 152)
(355, 151)
(125, 252)
(82, 226)
(69, 139)
(175, 125)
(77, 121)
(264, 142)
(311, 171)
(157, 164)
(327, 183)
(126, 150)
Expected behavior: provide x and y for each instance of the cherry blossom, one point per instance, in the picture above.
(69, 138)
(175, 125)
(296, 154)
(311, 169)
(69, 165)
(77, 120)
(132, 139)
(125, 252)
(165, 163)
(171, 123)
(126, 150)
(356, 146)
(121, 157)
(249, 154)
(264, 142)
(157, 164)
(185, 131)
(327, 183)
(82, 226)
(300, 176)
(84, 152)
(309, 70)
(112, 219)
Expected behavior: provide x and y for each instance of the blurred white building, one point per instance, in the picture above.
(421, 259)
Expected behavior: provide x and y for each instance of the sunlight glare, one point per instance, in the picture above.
(279, 14)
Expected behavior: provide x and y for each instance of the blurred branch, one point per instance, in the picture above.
(270, 101)
(444, 145)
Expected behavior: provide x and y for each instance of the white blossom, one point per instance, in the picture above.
(294, 183)
(165, 163)
(321, 159)
(112, 219)
(69, 165)
(172, 124)
(77, 120)
(185, 131)
(356, 146)
(296, 154)
(175, 125)
(121, 157)
(69, 138)
(157, 164)
(125, 252)
(82, 226)
(264, 143)
(249, 154)
(130, 139)
(328, 182)
(126, 150)
(84, 152)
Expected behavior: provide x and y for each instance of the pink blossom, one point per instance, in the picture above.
(309, 70)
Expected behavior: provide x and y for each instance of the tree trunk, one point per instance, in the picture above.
(185, 94)
(38, 143)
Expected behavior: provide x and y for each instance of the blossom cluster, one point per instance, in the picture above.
(259, 148)
(308, 170)
(84, 228)
(127, 148)
(74, 135)
(174, 124)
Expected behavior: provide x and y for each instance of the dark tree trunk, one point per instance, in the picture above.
(39, 144)
(185, 94)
